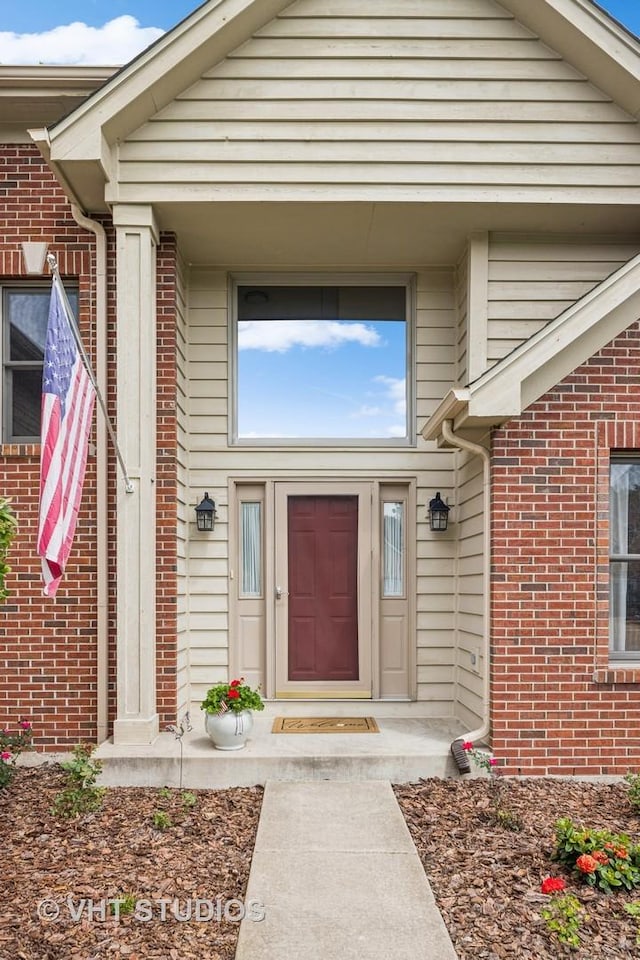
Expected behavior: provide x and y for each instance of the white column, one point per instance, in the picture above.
(477, 305)
(136, 239)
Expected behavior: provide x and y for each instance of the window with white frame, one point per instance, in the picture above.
(25, 311)
(322, 359)
(624, 559)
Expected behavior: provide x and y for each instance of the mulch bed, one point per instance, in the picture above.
(486, 879)
(205, 854)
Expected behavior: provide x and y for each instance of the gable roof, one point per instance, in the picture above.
(80, 146)
(528, 372)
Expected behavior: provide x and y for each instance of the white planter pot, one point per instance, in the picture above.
(230, 730)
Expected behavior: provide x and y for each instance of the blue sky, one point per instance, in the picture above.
(37, 15)
(26, 27)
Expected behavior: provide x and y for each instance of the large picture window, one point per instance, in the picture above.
(322, 361)
(624, 591)
(24, 323)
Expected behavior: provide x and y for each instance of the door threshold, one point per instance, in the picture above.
(320, 695)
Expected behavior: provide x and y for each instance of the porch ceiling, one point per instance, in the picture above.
(393, 234)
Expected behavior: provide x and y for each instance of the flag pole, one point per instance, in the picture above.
(53, 266)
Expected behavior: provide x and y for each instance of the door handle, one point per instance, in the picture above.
(280, 593)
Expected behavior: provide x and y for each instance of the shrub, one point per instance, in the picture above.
(81, 795)
(633, 779)
(600, 858)
(8, 525)
(161, 820)
(563, 917)
(11, 746)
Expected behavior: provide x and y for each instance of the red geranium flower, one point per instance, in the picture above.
(233, 694)
(235, 683)
(467, 745)
(552, 884)
(587, 863)
(600, 856)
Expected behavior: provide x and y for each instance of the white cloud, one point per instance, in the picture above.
(398, 431)
(368, 411)
(279, 336)
(117, 42)
(396, 392)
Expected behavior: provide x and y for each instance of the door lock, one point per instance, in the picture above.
(280, 593)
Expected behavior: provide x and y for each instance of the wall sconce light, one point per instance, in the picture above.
(438, 513)
(206, 514)
(33, 257)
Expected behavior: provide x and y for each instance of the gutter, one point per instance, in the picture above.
(481, 732)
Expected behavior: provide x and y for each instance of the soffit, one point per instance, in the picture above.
(31, 95)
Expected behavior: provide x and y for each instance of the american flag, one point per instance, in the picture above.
(68, 398)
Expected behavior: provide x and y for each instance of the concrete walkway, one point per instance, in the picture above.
(338, 876)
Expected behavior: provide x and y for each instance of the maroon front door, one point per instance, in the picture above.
(323, 601)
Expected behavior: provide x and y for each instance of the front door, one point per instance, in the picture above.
(323, 609)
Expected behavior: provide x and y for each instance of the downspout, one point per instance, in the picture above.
(481, 732)
(41, 138)
(102, 538)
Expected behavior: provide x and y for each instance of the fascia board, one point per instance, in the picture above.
(159, 74)
(590, 40)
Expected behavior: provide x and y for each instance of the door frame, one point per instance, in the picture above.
(367, 602)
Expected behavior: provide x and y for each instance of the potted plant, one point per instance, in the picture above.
(228, 708)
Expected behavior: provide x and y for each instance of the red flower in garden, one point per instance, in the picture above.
(5, 755)
(235, 683)
(233, 694)
(586, 863)
(552, 885)
(600, 856)
(621, 853)
(467, 745)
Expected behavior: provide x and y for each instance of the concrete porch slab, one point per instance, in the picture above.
(405, 749)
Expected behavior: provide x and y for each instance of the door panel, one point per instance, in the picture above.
(323, 581)
(323, 600)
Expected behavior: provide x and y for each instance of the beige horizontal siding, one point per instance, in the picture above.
(213, 462)
(379, 100)
(531, 283)
(470, 587)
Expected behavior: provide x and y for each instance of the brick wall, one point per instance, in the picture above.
(48, 648)
(558, 705)
(167, 484)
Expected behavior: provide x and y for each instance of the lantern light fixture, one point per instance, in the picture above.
(206, 514)
(438, 513)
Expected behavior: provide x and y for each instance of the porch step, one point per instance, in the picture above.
(406, 749)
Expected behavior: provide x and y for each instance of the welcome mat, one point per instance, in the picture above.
(324, 725)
